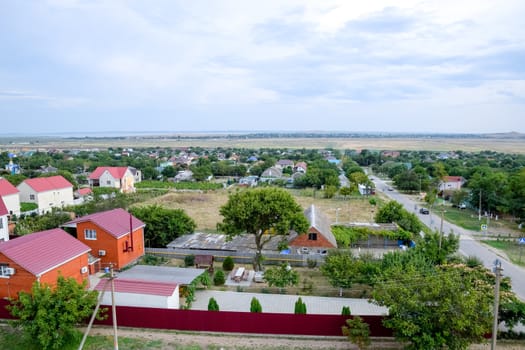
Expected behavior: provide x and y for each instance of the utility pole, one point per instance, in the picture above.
(497, 271)
(441, 228)
(113, 307)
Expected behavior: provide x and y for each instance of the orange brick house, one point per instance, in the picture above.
(115, 236)
(41, 256)
(319, 235)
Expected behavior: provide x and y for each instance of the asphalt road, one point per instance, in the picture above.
(468, 246)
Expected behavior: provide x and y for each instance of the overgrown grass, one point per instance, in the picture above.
(466, 218)
(515, 251)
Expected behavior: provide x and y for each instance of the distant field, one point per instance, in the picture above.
(504, 145)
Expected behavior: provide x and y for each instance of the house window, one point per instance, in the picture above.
(3, 270)
(1, 223)
(90, 234)
(32, 197)
(312, 236)
(108, 182)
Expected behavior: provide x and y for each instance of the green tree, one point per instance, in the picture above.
(255, 305)
(263, 212)
(281, 276)
(340, 269)
(49, 315)
(357, 331)
(345, 191)
(219, 279)
(228, 263)
(447, 307)
(213, 305)
(300, 307)
(345, 311)
(163, 225)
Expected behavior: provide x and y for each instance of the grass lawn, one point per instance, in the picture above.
(14, 340)
(515, 251)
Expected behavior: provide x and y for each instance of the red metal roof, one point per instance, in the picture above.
(84, 191)
(44, 184)
(6, 188)
(3, 208)
(116, 221)
(453, 178)
(42, 251)
(138, 287)
(116, 171)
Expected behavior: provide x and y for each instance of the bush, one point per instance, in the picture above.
(212, 305)
(219, 278)
(312, 263)
(346, 311)
(189, 260)
(228, 264)
(300, 307)
(255, 305)
(357, 331)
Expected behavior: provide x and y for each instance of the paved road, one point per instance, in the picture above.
(468, 246)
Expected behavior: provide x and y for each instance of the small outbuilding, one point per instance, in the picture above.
(139, 293)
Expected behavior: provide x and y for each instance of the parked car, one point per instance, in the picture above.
(424, 211)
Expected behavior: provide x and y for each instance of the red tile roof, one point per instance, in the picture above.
(6, 188)
(139, 287)
(3, 208)
(116, 172)
(115, 221)
(44, 184)
(42, 251)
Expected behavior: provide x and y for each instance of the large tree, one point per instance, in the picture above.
(163, 225)
(449, 306)
(49, 316)
(263, 212)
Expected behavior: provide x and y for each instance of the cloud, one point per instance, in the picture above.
(279, 57)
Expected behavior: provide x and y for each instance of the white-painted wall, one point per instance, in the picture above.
(12, 203)
(48, 199)
(4, 228)
(142, 300)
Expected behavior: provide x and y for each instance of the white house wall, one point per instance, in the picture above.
(141, 300)
(12, 203)
(4, 228)
(54, 199)
(107, 180)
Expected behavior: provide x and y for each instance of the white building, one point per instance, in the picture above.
(46, 192)
(139, 293)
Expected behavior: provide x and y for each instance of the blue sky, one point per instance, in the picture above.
(349, 66)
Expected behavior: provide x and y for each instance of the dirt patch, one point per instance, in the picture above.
(171, 339)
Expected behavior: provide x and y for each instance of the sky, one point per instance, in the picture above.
(439, 66)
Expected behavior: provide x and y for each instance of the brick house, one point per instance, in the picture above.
(115, 236)
(121, 178)
(42, 257)
(46, 192)
(10, 196)
(319, 235)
